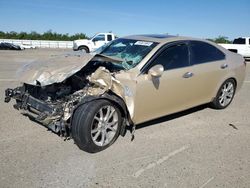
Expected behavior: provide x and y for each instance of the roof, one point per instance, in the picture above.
(160, 38)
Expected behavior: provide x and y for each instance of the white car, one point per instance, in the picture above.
(27, 46)
(240, 45)
(90, 45)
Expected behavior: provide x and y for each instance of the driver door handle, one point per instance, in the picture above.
(188, 75)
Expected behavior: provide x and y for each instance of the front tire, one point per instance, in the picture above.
(225, 95)
(84, 49)
(96, 125)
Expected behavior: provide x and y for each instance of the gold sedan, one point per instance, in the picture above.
(93, 98)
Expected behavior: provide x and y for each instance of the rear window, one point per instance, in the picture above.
(202, 52)
(239, 41)
(109, 37)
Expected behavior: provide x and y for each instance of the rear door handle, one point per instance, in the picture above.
(224, 66)
(188, 75)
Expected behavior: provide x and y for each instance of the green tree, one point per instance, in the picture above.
(34, 35)
(222, 39)
(48, 35)
(22, 35)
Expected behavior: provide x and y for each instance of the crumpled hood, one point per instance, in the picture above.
(57, 68)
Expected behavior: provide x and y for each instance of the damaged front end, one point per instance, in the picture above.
(52, 101)
(52, 114)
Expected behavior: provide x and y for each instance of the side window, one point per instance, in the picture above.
(100, 37)
(109, 37)
(173, 57)
(202, 52)
(239, 41)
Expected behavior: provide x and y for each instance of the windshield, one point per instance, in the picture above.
(130, 51)
(90, 38)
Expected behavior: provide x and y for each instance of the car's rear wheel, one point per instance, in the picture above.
(225, 94)
(96, 125)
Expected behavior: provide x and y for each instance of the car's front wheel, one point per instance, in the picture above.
(96, 125)
(225, 94)
(84, 49)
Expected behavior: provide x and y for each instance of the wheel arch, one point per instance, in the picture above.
(117, 101)
(83, 46)
(235, 81)
(216, 103)
(220, 84)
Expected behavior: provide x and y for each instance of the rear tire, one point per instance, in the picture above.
(225, 95)
(96, 125)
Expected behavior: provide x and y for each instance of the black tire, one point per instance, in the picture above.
(84, 48)
(216, 102)
(83, 121)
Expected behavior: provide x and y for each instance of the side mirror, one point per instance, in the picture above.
(156, 71)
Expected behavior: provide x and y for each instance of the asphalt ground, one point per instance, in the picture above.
(199, 148)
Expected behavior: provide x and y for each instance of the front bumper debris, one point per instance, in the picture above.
(8, 94)
(47, 114)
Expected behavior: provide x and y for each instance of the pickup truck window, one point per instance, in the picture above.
(100, 37)
(239, 41)
(109, 37)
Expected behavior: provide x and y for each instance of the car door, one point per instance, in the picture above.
(172, 92)
(209, 68)
(98, 40)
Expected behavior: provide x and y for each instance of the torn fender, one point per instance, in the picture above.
(104, 81)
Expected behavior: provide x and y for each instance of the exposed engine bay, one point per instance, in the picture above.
(58, 91)
(54, 104)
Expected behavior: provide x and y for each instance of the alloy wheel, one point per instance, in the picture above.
(226, 93)
(104, 126)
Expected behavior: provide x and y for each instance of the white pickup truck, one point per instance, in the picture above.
(89, 45)
(240, 45)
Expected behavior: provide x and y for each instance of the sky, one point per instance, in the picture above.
(196, 18)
